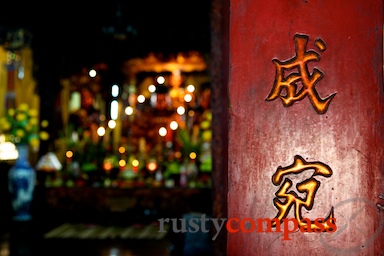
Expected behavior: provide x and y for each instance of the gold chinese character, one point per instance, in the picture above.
(309, 186)
(308, 80)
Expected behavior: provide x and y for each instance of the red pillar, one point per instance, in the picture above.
(306, 135)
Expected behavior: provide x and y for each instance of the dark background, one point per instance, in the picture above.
(67, 35)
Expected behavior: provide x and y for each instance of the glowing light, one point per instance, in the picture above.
(107, 166)
(177, 154)
(129, 110)
(191, 88)
(160, 79)
(151, 88)
(181, 110)
(135, 163)
(112, 124)
(69, 154)
(48, 163)
(187, 97)
(191, 113)
(175, 92)
(75, 101)
(121, 150)
(115, 90)
(122, 163)
(162, 131)
(92, 73)
(169, 144)
(192, 155)
(173, 125)
(20, 74)
(140, 98)
(114, 109)
(101, 131)
(8, 150)
(152, 165)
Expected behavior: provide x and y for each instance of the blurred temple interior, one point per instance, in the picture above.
(113, 103)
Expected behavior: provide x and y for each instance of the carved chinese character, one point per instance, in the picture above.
(308, 81)
(285, 200)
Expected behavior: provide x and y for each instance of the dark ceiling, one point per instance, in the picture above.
(67, 35)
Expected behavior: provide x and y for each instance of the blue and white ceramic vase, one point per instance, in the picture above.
(21, 185)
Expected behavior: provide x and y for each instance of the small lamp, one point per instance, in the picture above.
(8, 151)
(47, 166)
(48, 163)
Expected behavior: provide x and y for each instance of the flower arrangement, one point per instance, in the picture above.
(21, 126)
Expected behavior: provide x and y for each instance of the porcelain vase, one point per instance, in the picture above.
(21, 184)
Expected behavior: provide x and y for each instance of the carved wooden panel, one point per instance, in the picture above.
(306, 127)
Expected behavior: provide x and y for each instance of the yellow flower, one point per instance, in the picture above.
(29, 127)
(205, 125)
(4, 124)
(33, 121)
(23, 107)
(208, 115)
(20, 133)
(34, 142)
(207, 135)
(21, 125)
(44, 123)
(21, 117)
(44, 135)
(33, 113)
(11, 112)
